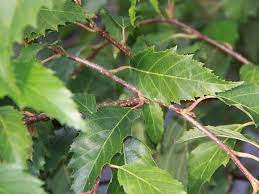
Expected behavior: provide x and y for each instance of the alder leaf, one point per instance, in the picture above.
(154, 122)
(61, 13)
(220, 131)
(15, 141)
(15, 181)
(86, 103)
(250, 74)
(14, 16)
(173, 157)
(171, 77)
(141, 179)
(245, 98)
(98, 143)
(135, 152)
(205, 159)
(41, 90)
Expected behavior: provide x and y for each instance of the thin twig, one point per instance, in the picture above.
(196, 103)
(121, 68)
(199, 35)
(50, 58)
(245, 155)
(106, 35)
(96, 50)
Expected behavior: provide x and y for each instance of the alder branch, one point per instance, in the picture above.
(107, 36)
(130, 102)
(186, 28)
(96, 50)
(30, 118)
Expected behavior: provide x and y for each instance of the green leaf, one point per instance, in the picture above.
(98, 143)
(116, 25)
(154, 122)
(135, 152)
(41, 90)
(168, 76)
(60, 181)
(220, 131)
(250, 74)
(141, 179)
(245, 98)
(205, 159)
(50, 18)
(132, 11)
(14, 16)
(15, 140)
(93, 6)
(15, 181)
(155, 5)
(86, 103)
(173, 157)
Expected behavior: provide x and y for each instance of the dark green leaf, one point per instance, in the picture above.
(154, 122)
(86, 103)
(98, 143)
(168, 76)
(245, 98)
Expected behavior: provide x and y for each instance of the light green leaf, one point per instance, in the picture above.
(43, 91)
(14, 16)
(250, 74)
(154, 122)
(61, 13)
(155, 4)
(141, 179)
(205, 159)
(132, 11)
(15, 181)
(135, 152)
(15, 139)
(171, 77)
(98, 143)
(173, 157)
(245, 98)
(220, 131)
(86, 103)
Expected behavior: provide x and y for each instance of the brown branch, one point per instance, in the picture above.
(96, 50)
(130, 102)
(254, 182)
(110, 39)
(30, 118)
(199, 35)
